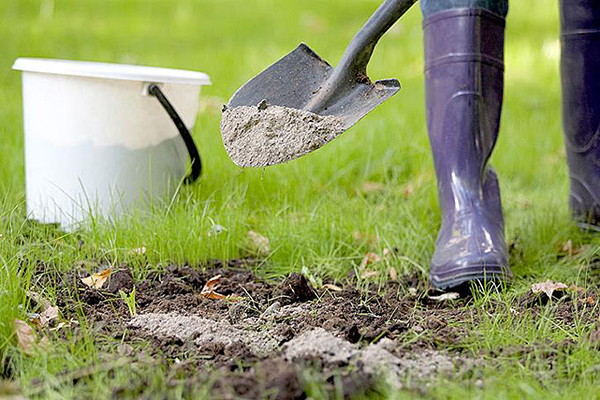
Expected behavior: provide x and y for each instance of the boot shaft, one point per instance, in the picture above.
(580, 72)
(580, 78)
(464, 72)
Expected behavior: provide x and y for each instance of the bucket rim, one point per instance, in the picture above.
(127, 72)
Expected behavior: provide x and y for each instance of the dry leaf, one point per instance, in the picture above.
(209, 288)
(393, 274)
(369, 258)
(590, 300)
(445, 296)
(372, 187)
(26, 336)
(96, 281)
(48, 315)
(260, 244)
(333, 287)
(49, 312)
(64, 324)
(568, 249)
(368, 273)
(59, 326)
(548, 287)
(577, 289)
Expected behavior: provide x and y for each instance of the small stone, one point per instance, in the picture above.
(263, 105)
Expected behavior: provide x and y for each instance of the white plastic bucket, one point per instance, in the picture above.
(96, 142)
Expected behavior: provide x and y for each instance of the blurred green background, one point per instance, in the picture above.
(311, 207)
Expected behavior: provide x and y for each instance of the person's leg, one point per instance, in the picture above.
(430, 7)
(580, 76)
(464, 71)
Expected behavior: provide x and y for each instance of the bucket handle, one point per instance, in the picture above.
(155, 91)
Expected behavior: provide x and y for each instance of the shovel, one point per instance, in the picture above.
(302, 80)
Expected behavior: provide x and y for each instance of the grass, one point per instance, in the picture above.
(310, 209)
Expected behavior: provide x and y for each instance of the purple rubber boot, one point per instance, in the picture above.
(580, 73)
(464, 74)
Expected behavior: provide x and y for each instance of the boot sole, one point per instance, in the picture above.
(485, 274)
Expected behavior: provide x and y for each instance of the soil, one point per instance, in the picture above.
(267, 135)
(260, 341)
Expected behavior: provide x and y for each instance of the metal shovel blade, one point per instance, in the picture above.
(298, 77)
(302, 83)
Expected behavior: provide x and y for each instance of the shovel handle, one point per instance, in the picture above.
(359, 51)
(353, 64)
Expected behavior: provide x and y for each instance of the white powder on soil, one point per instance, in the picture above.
(204, 332)
(375, 359)
(382, 359)
(267, 135)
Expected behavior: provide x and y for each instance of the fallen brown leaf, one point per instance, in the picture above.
(590, 300)
(393, 274)
(548, 287)
(578, 289)
(368, 273)
(260, 244)
(372, 187)
(59, 326)
(333, 287)
(96, 281)
(64, 324)
(209, 288)
(567, 248)
(369, 258)
(26, 336)
(48, 313)
(570, 250)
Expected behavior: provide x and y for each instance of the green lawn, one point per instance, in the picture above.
(310, 209)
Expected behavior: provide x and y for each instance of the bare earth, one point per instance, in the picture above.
(263, 343)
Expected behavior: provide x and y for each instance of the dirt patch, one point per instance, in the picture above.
(260, 345)
(268, 135)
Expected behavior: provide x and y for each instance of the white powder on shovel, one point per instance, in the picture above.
(266, 135)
